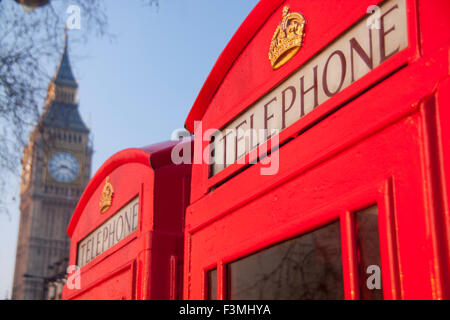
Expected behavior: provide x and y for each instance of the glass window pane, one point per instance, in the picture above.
(369, 254)
(212, 284)
(307, 267)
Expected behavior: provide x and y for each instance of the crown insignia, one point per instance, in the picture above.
(107, 195)
(287, 39)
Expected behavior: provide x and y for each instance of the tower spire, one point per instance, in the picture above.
(61, 109)
(64, 75)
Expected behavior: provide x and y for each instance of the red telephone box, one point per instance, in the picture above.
(346, 192)
(127, 229)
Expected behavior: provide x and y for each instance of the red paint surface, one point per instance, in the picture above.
(384, 140)
(146, 264)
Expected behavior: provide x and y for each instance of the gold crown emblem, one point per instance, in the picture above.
(107, 195)
(287, 39)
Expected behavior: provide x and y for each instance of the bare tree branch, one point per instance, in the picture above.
(28, 42)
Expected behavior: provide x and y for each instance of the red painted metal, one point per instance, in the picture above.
(384, 140)
(144, 264)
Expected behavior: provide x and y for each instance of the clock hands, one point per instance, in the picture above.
(63, 166)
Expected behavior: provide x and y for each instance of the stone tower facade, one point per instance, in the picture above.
(55, 169)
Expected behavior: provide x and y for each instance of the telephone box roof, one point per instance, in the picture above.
(154, 156)
(238, 42)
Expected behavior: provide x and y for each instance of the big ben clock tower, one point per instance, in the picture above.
(56, 168)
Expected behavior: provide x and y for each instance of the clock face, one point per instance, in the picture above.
(63, 167)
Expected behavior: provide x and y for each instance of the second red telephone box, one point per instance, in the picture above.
(127, 230)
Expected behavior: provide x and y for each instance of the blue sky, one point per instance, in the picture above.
(135, 90)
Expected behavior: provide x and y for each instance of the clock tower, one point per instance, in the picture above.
(56, 168)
